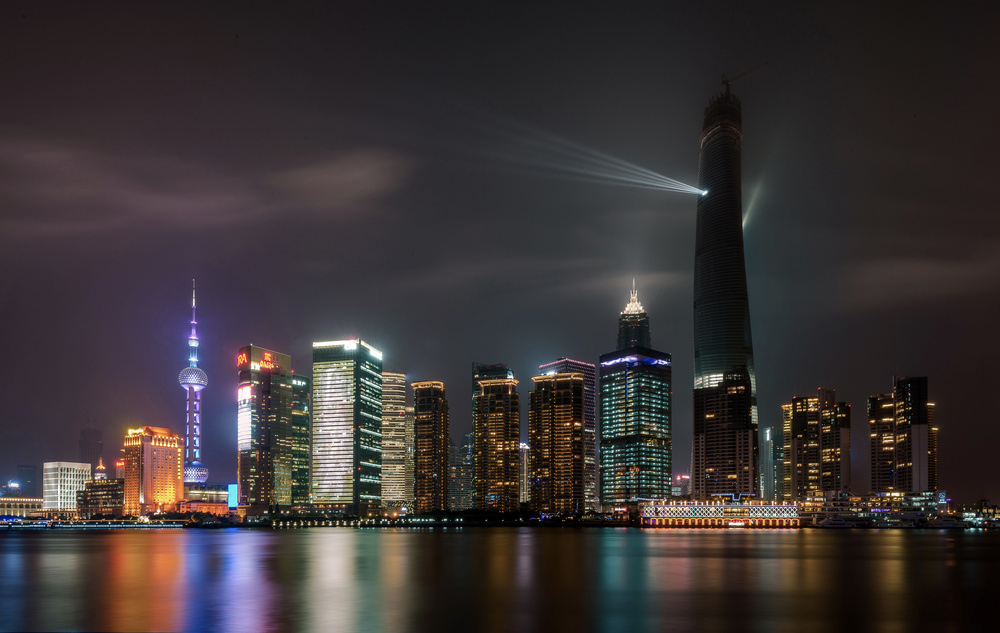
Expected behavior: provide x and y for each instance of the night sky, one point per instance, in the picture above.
(328, 173)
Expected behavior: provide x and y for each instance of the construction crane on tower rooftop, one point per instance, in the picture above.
(727, 82)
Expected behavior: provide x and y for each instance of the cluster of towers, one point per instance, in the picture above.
(344, 438)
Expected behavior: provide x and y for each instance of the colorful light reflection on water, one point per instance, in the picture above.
(496, 580)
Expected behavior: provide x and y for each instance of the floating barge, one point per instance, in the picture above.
(718, 515)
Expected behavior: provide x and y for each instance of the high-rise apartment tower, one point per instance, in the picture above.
(817, 446)
(497, 431)
(555, 444)
(591, 488)
(904, 438)
(432, 440)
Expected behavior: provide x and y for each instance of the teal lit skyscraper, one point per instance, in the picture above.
(347, 426)
(635, 416)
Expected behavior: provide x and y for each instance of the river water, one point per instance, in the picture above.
(499, 579)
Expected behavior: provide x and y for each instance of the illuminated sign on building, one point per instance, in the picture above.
(234, 495)
(244, 398)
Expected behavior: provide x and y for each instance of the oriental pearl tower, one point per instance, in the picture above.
(193, 380)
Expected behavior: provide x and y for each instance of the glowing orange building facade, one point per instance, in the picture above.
(154, 470)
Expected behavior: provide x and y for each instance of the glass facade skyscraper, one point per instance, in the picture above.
(264, 428)
(347, 426)
(635, 418)
(722, 340)
(301, 423)
(724, 456)
(397, 443)
(460, 485)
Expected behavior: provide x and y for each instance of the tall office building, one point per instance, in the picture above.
(768, 478)
(932, 449)
(524, 473)
(724, 458)
(882, 443)
(903, 438)
(60, 483)
(193, 379)
(154, 470)
(591, 489)
(101, 497)
(432, 439)
(835, 448)
(301, 442)
(347, 426)
(264, 428)
(722, 341)
(397, 443)
(817, 432)
(555, 442)
(635, 405)
(91, 447)
(912, 434)
(497, 428)
(460, 485)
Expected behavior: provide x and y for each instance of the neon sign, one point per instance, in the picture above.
(267, 362)
(242, 359)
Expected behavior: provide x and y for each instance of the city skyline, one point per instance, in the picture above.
(351, 157)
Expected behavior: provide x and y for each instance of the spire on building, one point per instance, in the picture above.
(633, 324)
(633, 306)
(193, 339)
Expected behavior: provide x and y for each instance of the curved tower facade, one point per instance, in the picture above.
(722, 341)
(193, 379)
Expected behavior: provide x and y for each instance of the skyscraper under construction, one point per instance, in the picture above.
(722, 341)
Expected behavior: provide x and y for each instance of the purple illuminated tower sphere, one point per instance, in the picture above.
(193, 380)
